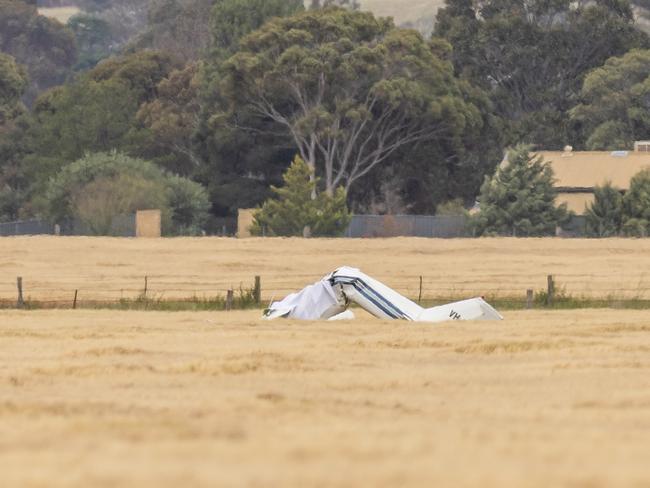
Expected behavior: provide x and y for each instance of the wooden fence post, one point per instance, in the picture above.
(257, 291)
(229, 299)
(146, 283)
(529, 298)
(21, 302)
(74, 302)
(550, 292)
(420, 294)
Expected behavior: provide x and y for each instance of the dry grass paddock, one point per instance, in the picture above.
(101, 398)
(108, 268)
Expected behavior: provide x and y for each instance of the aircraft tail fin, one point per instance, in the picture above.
(471, 309)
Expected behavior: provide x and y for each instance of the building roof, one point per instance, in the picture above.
(586, 169)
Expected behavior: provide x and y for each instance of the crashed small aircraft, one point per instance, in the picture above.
(328, 299)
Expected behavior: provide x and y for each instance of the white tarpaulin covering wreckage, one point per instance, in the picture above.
(328, 299)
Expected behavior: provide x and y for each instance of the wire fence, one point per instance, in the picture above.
(51, 291)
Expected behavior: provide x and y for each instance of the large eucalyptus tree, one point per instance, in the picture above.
(348, 88)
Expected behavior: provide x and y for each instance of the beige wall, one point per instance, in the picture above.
(586, 169)
(577, 202)
(244, 222)
(147, 223)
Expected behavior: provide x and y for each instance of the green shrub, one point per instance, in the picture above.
(636, 228)
(636, 206)
(101, 186)
(452, 208)
(603, 217)
(99, 202)
(190, 205)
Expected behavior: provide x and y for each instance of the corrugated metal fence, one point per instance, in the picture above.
(408, 225)
(360, 226)
(432, 226)
(121, 226)
(26, 227)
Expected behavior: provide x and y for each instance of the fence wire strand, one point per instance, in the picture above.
(45, 290)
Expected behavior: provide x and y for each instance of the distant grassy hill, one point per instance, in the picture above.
(419, 13)
(62, 14)
(403, 12)
(416, 13)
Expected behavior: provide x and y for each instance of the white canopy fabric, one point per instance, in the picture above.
(317, 301)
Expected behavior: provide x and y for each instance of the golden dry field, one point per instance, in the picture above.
(108, 268)
(101, 398)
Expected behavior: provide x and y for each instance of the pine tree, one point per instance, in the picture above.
(519, 200)
(294, 211)
(603, 216)
(636, 206)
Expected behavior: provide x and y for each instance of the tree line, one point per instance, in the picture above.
(200, 106)
(519, 200)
